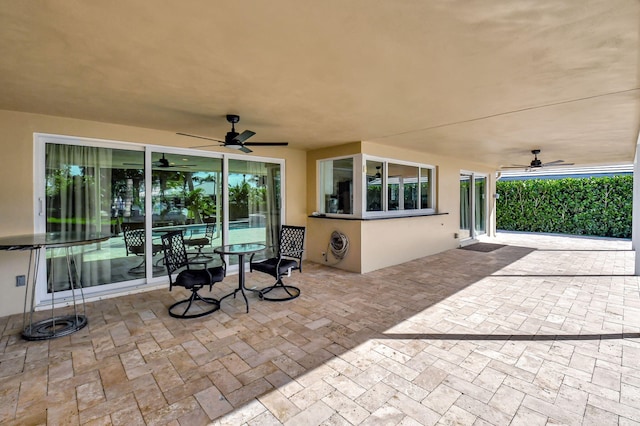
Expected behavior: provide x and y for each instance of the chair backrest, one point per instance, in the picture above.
(175, 253)
(291, 242)
(134, 241)
(209, 231)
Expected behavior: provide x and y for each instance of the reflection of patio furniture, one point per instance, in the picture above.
(134, 240)
(171, 218)
(201, 242)
(175, 258)
(287, 258)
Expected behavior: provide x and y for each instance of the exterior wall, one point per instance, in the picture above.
(319, 232)
(17, 181)
(375, 244)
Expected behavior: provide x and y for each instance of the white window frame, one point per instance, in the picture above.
(360, 185)
(62, 298)
(472, 219)
(385, 182)
(357, 186)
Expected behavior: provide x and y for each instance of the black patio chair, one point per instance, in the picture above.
(201, 242)
(134, 243)
(175, 258)
(288, 257)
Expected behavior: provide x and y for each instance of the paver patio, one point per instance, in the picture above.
(545, 330)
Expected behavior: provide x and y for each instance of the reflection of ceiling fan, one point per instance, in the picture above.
(537, 164)
(161, 163)
(233, 139)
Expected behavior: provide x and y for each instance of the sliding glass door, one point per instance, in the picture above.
(95, 190)
(135, 195)
(473, 205)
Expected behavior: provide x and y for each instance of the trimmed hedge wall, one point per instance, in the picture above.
(579, 206)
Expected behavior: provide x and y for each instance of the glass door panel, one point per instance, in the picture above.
(465, 207)
(185, 196)
(480, 205)
(92, 189)
(254, 203)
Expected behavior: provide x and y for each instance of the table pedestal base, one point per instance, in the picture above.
(54, 327)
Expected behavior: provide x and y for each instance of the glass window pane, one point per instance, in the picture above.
(374, 185)
(480, 204)
(91, 189)
(254, 203)
(336, 186)
(426, 199)
(185, 196)
(402, 187)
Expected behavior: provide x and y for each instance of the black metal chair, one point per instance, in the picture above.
(175, 258)
(288, 257)
(134, 243)
(201, 242)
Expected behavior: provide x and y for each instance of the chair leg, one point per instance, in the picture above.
(200, 255)
(291, 291)
(195, 297)
(138, 269)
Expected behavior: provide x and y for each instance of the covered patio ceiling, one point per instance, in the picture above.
(489, 80)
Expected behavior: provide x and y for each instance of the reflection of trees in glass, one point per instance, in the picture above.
(239, 200)
(199, 204)
(374, 197)
(182, 190)
(119, 186)
(244, 195)
(62, 183)
(410, 196)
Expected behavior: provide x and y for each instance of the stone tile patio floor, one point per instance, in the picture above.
(542, 331)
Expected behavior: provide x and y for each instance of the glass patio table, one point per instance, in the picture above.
(56, 326)
(240, 250)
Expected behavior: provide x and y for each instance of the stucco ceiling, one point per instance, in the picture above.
(489, 80)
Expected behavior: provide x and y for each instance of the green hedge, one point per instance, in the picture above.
(578, 206)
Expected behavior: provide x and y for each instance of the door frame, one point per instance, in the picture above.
(473, 233)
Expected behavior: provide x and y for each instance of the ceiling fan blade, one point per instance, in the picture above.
(515, 166)
(244, 136)
(245, 149)
(553, 162)
(267, 143)
(200, 137)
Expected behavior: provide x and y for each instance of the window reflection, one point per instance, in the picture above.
(336, 186)
(402, 187)
(375, 174)
(185, 196)
(254, 202)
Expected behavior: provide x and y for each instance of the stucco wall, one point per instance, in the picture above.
(16, 181)
(375, 244)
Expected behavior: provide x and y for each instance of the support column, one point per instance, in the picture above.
(635, 226)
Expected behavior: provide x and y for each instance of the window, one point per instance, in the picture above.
(374, 185)
(402, 187)
(387, 188)
(336, 186)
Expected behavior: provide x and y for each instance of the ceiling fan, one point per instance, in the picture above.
(537, 164)
(233, 139)
(161, 163)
